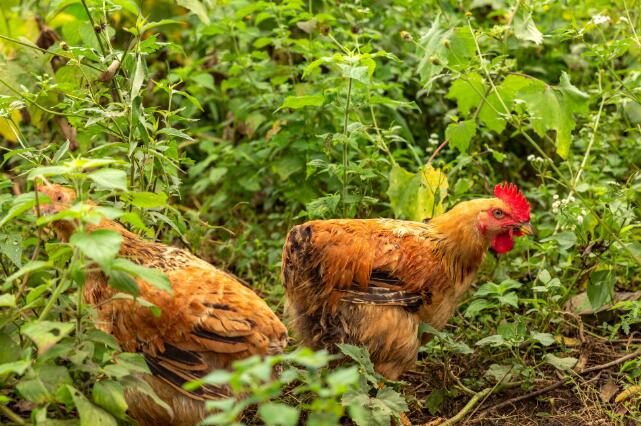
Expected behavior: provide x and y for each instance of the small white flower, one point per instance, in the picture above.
(583, 212)
(623, 20)
(555, 210)
(579, 219)
(600, 19)
(555, 196)
(433, 136)
(571, 199)
(530, 157)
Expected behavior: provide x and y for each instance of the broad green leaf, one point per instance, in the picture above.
(155, 277)
(49, 171)
(417, 196)
(434, 401)
(170, 131)
(149, 200)
(11, 246)
(123, 281)
(460, 134)
(101, 245)
(342, 379)
(139, 300)
(196, 7)
(438, 47)
(17, 367)
(524, 26)
(477, 306)
(560, 363)
(109, 395)
(601, 287)
(128, 5)
(7, 300)
(9, 349)
(45, 334)
(468, 91)
(109, 179)
(20, 205)
(296, 102)
(546, 339)
(499, 372)
(276, 414)
(90, 414)
(494, 341)
(30, 267)
(359, 73)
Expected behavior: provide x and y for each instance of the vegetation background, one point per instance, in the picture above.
(217, 125)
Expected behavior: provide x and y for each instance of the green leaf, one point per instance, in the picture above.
(11, 246)
(101, 245)
(560, 363)
(342, 379)
(524, 26)
(468, 91)
(149, 200)
(170, 131)
(437, 48)
(90, 415)
(477, 306)
(123, 281)
(296, 102)
(109, 395)
(138, 78)
(30, 267)
(155, 277)
(460, 134)
(417, 196)
(197, 8)
(499, 372)
(495, 340)
(601, 287)
(20, 204)
(7, 300)
(45, 334)
(17, 367)
(546, 339)
(278, 414)
(434, 401)
(109, 179)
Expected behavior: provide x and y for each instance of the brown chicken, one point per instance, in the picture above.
(370, 282)
(210, 320)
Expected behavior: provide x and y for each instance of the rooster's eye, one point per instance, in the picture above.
(498, 214)
(59, 198)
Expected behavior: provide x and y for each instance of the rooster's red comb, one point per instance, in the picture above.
(512, 196)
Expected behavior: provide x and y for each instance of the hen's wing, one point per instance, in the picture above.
(211, 320)
(385, 262)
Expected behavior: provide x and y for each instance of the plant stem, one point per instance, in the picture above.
(11, 415)
(345, 147)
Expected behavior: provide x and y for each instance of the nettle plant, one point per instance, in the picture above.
(305, 390)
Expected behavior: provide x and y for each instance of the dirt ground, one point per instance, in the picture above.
(582, 399)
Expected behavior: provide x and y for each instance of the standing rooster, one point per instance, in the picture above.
(370, 282)
(210, 320)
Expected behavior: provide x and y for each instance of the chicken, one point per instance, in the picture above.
(210, 320)
(371, 282)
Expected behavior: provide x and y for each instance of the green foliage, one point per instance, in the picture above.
(217, 127)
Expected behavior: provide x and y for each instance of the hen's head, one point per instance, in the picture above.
(504, 217)
(61, 198)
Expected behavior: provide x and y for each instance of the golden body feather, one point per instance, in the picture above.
(209, 321)
(325, 261)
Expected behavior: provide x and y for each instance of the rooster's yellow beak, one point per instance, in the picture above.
(526, 229)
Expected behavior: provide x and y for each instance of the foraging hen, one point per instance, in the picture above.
(210, 320)
(370, 282)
